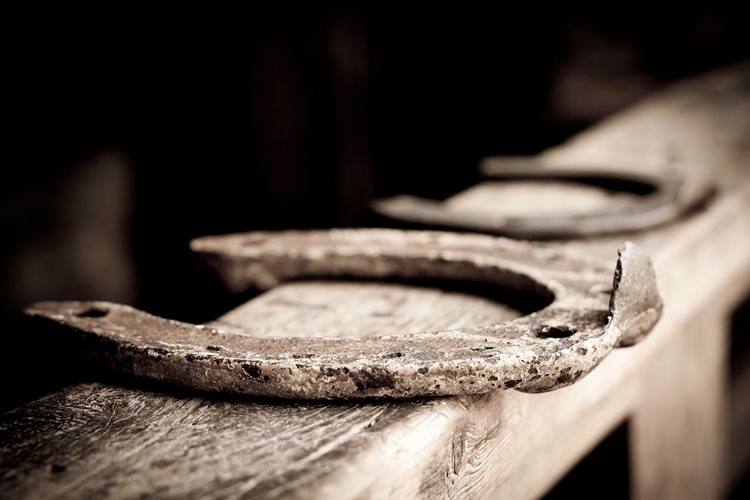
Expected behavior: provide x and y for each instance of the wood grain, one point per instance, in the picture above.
(299, 309)
(121, 442)
(142, 440)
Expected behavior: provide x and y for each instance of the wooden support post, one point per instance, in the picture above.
(677, 430)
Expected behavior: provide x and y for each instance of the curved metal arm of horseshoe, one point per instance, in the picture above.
(593, 307)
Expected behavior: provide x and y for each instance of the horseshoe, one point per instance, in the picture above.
(588, 315)
(664, 198)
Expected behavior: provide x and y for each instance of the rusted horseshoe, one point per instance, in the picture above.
(663, 198)
(588, 315)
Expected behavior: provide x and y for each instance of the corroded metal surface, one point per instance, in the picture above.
(589, 314)
(663, 198)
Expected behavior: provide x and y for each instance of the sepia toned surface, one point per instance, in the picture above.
(113, 441)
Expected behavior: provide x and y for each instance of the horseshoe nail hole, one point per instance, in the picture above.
(92, 312)
(555, 332)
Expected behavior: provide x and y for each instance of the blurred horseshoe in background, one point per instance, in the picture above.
(662, 198)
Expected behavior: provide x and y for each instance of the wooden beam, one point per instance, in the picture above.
(114, 441)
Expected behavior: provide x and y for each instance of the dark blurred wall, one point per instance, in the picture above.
(130, 133)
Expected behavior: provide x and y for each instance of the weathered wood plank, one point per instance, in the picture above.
(276, 449)
(504, 444)
(104, 441)
(300, 309)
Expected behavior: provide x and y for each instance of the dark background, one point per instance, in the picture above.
(130, 134)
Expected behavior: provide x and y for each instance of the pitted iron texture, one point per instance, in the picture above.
(589, 314)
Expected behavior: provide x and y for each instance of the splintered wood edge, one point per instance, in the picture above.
(542, 351)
